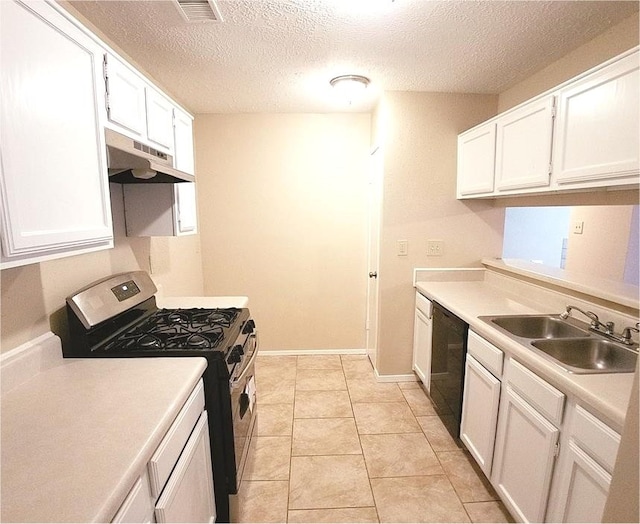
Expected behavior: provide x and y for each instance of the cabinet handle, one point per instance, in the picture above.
(373, 274)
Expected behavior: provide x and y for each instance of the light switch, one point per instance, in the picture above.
(403, 248)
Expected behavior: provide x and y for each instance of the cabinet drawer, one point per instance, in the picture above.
(138, 506)
(166, 456)
(424, 305)
(485, 353)
(541, 395)
(596, 438)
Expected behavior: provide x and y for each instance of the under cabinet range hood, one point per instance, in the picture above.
(132, 162)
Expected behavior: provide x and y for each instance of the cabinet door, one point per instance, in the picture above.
(159, 119)
(480, 403)
(55, 194)
(523, 146)
(597, 135)
(186, 208)
(138, 506)
(126, 101)
(582, 488)
(183, 134)
(188, 495)
(422, 347)
(524, 457)
(476, 161)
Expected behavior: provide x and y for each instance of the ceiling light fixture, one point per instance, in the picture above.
(350, 86)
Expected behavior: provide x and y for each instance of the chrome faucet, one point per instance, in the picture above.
(606, 328)
(595, 321)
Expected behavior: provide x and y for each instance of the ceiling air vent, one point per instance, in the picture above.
(199, 10)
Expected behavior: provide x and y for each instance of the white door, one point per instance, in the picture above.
(126, 105)
(524, 458)
(188, 494)
(597, 135)
(159, 119)
(183, 138)
(479, 413)
(375, 209)
(422, 333)
(523, 146)
(55, 194)
(582, 489)
(185, 194)
(476, 161)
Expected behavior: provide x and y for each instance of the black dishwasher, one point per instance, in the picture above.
(449, 350)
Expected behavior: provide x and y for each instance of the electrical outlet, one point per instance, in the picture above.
(578, 227)
(435, 248)
(403, 248)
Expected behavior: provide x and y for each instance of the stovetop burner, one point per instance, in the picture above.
(176, 329)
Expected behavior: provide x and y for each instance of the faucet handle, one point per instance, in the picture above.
(626, 332)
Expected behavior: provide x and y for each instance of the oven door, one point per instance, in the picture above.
(244, 405)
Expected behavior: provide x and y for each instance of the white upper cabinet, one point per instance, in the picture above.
(597, 134)
(476, 161)
(126, 98)
(136, 108)
(159, 119)
(183, 138)
(160, 210)
(589, 140)
(55, 195)
(523, 146)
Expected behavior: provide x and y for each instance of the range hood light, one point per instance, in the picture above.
(143, 174)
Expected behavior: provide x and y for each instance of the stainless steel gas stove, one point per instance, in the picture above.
(118, 317)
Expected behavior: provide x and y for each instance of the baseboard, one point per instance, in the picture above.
(302, 352)
(395, 378)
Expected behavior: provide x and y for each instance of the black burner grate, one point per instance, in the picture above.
(170, 329)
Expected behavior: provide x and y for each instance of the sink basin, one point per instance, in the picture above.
(538, 326)
(589, 355)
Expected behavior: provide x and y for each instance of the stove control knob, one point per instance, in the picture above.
(234, 357)
(248, 327)
(238, 349)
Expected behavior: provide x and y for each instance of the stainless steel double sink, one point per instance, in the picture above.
(566, 343)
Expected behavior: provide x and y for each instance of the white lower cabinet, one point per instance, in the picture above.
(188, 495)
(526, 443)
(547, 463)
(422, 329)
(177, 485)
(583, 477)
(480, 404)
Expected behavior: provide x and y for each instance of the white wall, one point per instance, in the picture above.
(418, 133)
(282, 201)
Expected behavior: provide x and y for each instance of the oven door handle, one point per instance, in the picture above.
(246, 369)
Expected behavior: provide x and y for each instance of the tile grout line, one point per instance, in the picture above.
(364, 458)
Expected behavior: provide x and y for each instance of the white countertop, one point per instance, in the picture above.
(608, 394)
(76, 437)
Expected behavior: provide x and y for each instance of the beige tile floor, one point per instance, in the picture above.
(334, 445)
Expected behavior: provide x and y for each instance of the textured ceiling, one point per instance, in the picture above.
(279, 55)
